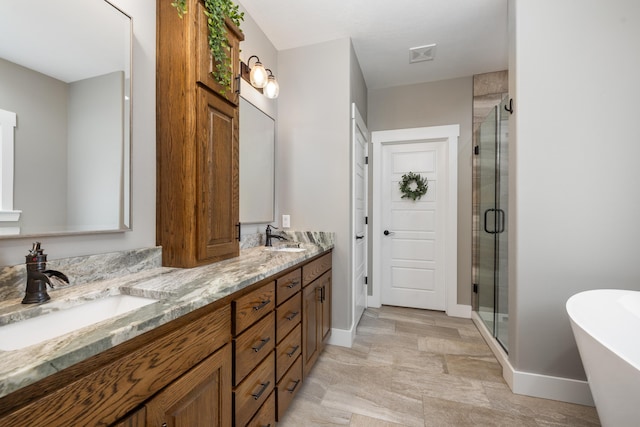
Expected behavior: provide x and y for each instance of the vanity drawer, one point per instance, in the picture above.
(254, 391)
(252, 346)
(288, 387)
(251, 307)
(287, 351)
(288, 285)
(315, 268)
(288, 315)
(266, 416)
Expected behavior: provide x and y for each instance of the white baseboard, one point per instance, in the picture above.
(535, 385)
(342, 337)
(459, 310)
(555, 388)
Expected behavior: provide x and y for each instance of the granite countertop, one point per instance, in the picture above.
(179, 291)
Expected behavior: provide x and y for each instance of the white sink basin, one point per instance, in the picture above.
(35, 330)
(285, 249)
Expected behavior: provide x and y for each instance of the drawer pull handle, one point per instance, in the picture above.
(295, 384)
(261, 305)
(293, 284)
(263, 342)
(263, 387)
(293, 351)
(292, 315)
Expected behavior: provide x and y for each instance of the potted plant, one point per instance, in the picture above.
(217, 11)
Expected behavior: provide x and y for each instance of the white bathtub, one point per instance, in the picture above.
(606, 325)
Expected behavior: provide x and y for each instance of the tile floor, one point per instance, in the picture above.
(413, 367)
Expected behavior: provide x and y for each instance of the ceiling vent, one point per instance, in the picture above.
(422, 53)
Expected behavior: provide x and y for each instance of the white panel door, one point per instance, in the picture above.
(413, 244)
(360, 139)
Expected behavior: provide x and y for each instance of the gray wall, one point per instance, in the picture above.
(40, 179)
(444, 102)
(12, 251)
(574, 150)
(96, 114)
(313, 159)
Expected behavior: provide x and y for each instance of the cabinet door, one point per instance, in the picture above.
(205, 60)
(200, 398)
(217, 178)
(325, 283)
(310, 336)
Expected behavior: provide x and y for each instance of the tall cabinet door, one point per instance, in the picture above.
(200, 398)
(311, 340)
(325, 282)
(217, 177)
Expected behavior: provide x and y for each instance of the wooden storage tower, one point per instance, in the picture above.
(197, 142)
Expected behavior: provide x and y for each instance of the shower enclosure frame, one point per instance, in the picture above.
(490, 196)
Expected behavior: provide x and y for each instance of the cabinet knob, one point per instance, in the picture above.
(263, 387)
(261, 305)
(293, 351)
(295, 384)
(292, 315)
(263, 342)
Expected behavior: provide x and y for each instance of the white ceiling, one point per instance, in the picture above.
(471, 35)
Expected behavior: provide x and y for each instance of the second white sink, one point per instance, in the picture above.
(35, 330)
(284, 249)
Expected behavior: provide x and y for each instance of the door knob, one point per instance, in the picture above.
(387, 232)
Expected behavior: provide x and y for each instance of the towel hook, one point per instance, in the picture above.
(510, 108)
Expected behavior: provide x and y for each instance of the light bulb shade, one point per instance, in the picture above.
(272, 89)
(258, 75)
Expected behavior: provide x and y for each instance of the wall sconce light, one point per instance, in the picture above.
(257, 75)
(260, 78)
(272, 88)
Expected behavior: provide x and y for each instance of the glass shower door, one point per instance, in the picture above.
(491, 241)
(486, 239)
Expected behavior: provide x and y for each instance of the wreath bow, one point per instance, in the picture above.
(413, 186)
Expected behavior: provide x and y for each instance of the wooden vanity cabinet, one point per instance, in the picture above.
(316, 309)
(238, 361)
(115, 387)
(197, 142)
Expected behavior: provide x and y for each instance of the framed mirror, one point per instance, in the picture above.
(66, 76)
(257, 170)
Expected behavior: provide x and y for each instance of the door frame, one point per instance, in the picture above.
(358, 122)
(450, 133)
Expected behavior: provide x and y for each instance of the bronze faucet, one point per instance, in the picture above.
(38, 276)
(271, 235)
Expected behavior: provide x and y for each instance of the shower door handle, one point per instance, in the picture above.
(498, 221)
(486, 213)
(501, 216)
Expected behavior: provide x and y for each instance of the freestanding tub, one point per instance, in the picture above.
(606, 325)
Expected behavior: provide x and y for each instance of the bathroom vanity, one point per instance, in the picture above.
(241, 333)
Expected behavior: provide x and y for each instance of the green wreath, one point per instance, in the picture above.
(413, 186)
